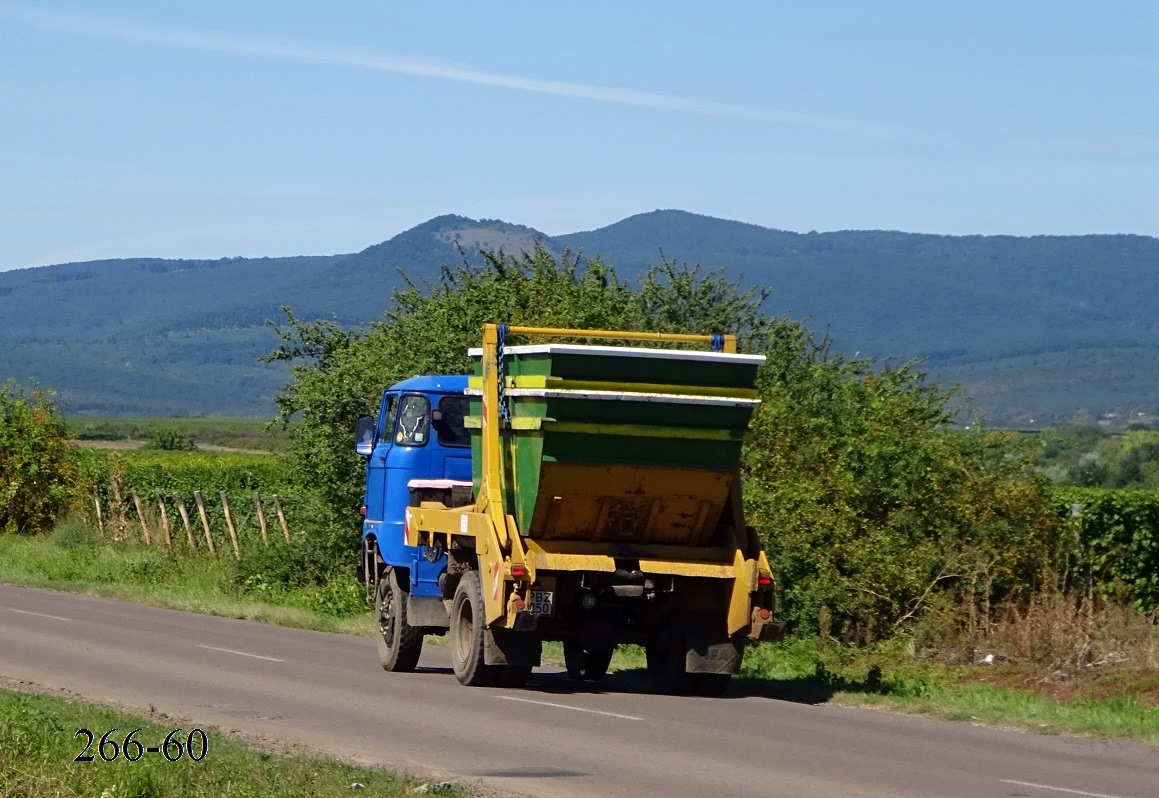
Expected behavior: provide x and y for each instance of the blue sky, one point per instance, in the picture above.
(215, 129)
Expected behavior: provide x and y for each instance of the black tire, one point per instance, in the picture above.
(665, 656)
(468, 625)
(584, 665)
(513, 675)
(399, 643)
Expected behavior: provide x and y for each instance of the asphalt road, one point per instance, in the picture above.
(549, 739)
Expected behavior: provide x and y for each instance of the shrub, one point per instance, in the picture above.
(311, 558)
(37, 465)
(74, 532)
(870, 508)
(341, 597)
(170, 440)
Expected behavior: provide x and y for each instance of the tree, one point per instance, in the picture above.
(37, 467)
(871, 507)
(1129, 460)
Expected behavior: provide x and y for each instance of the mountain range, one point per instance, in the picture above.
(1036, 329)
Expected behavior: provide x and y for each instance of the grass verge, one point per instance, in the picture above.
(888, 676)
(74, 561)
(38, 750)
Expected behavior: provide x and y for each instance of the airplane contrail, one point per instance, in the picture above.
(362, 58)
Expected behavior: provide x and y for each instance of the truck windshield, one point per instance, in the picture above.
(414, 414)
(450, 429)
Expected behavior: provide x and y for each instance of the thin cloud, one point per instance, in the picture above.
(1113, 144)
(361, 58)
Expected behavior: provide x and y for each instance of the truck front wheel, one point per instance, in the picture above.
(468, 627)
(399, 643)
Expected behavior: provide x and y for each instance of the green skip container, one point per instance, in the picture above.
(619, 443)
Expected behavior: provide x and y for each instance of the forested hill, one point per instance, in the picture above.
(890, 293)
(1042, 327)
(149, 336)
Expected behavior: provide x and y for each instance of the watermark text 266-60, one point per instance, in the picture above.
(194, 745)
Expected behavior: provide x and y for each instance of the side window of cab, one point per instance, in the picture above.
(449, 425)
(414, 421)
(389, 407)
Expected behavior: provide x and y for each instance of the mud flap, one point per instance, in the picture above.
(722, 658)
(772, 632)
(430, 613)
(509, 647)
(707, 645)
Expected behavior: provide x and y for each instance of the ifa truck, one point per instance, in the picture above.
(577, 492)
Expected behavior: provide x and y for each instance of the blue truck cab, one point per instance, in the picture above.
(417, 447)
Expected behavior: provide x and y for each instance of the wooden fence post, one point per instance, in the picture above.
(100, 520)
(117, 508)
(180, 502)
(141, 515)
(229, 524)
(164, 518)
(204, 522)
(281, 517)
(261, 517)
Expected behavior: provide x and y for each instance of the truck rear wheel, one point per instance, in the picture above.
(665, 656)
(513, 675)
(468, 627)
(399, 643)
(585, 665)
(713, 685)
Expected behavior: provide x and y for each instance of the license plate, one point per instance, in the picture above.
(541, 602)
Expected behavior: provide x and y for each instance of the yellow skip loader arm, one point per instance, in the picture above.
(509, 562)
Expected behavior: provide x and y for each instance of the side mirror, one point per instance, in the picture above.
(364, 435)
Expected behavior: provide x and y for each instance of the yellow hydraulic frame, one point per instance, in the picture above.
(509, 562)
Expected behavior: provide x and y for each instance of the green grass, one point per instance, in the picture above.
(38, 750)
(888, 677)
(73, 559)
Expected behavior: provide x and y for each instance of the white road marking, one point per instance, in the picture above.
(240, 653)
(1058, 789)
(568, 706)
(40, 614)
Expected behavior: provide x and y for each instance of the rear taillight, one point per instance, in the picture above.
(519, 571)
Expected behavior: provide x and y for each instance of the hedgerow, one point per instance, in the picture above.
(1114, 542)
(185, 472)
